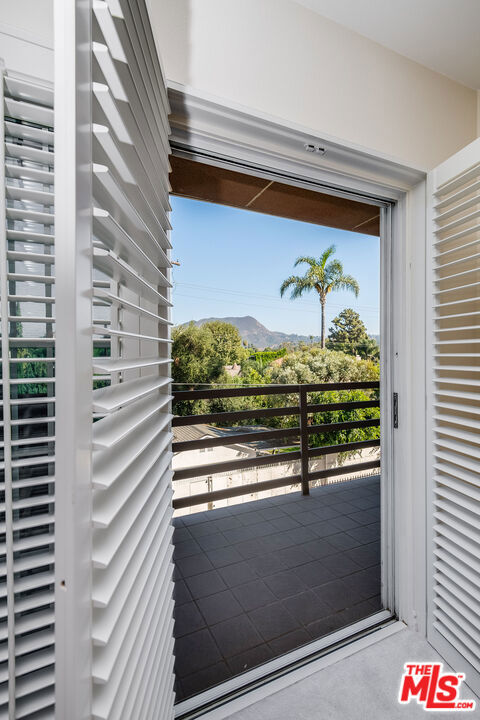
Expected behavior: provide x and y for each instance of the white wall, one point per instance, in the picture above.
(26, 36)
(285, 60)
(244, 478)
(196, 458)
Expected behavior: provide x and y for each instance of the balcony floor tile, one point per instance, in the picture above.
(237, 574)
(188, 619)
(205, 584)
(219, 607)
(269, 564)
(273, 620)
(250, 659)
(236, 635)
(259, 579)
(224, 556)
(253, 595)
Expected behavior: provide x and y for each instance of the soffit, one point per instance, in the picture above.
(201, 181)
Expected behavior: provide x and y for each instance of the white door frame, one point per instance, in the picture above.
(212, 132)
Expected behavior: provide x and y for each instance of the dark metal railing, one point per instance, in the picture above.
(302, 431)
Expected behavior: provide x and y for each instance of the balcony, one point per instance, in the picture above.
(258, 578)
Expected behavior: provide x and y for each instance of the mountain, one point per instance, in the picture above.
(257, 334)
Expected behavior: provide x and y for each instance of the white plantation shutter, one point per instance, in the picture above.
(27, 297)
(454, 592)
(132, 624)
(118, 291)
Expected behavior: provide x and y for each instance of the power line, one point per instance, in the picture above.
(261, 295)
(285, 308)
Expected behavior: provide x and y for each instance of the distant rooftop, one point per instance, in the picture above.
(194, 432)
(202, 430)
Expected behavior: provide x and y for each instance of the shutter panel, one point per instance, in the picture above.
(132, 557)
(131, 622)
(454, 582)
(27, 297)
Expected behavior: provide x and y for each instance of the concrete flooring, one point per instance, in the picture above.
(363, 686)
(257, 580)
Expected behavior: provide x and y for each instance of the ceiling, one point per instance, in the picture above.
(213, 184)
(443, 35)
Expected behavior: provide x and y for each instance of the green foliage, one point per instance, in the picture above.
(257, 364)
(266, 356)
(314, 365)
(370, 349)
(30, 370)
(322, 276)
(227, 344)
(252, 374)
(337, 437)
(308, 365)
(349, 334)
(199, 355)
(193, 359)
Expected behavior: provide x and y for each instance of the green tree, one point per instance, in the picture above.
(349, 334)
(323, 277)
(370, 349)
(193, 359)
(199, 354)
(30, 370)
(307, 365)
(313, 365)
(227, 344)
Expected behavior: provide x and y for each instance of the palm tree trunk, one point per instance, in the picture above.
(322, 302)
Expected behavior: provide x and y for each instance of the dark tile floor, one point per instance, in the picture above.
(256, 580)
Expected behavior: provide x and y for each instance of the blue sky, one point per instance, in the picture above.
(234, 261)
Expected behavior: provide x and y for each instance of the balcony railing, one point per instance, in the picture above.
(303, 409)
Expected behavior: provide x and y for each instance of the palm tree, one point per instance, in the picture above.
(323, 277)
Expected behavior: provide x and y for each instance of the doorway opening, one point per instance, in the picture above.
(277, 422)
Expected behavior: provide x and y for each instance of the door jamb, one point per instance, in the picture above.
(231, 137)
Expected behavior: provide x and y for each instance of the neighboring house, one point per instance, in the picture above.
(204, 456)
(233, 370)
(209, 482)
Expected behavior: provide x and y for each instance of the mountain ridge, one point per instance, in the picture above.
(253, 332)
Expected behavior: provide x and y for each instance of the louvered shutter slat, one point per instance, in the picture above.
(116, 239)
(115, 428)
(105, 626)
(455, 412)
(116, 396)
(112, 463)
(108, 581)
(154, 459)
(28, 397)
(459, 562)
(454, 576)
(153, 497)
(25, 152)
(131, 471)
(111, 365)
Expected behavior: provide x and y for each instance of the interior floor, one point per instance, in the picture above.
(362, 686)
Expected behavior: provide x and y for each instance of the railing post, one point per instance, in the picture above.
(302, 392)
